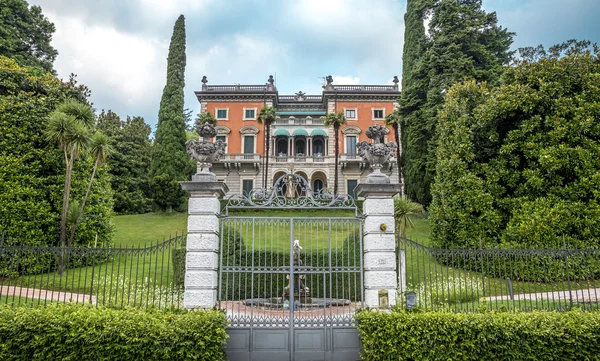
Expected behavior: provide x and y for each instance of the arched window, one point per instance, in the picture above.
(300, 147)
(318, 147)
(282, 146)
(317, 185)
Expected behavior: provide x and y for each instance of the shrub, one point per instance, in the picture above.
(515, 162)
(433, 336)
(76, 332)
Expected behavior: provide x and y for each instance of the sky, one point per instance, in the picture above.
(118, 48)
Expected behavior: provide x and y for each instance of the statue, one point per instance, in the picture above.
(301, 292)
(204, 151)
(376, 153)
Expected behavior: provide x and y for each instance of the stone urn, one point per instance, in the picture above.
(376, 153)
(205, 152)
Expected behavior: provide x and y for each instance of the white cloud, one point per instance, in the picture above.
(158, 10)
(128, 68)
(345, 80)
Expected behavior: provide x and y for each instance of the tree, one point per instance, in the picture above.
(100, 149)
(69, 126)
(25, 35)
(336, 120)
(33, 170)
(129, 163)
(170, 162)
(394, 120)
(267, 115)
(413, 96)
(464, 43)
(517, 163)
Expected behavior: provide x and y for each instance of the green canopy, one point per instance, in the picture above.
(281, 133)
(300, 133)
(318, 133)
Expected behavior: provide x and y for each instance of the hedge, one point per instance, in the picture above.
(573, 335)
(76, 332)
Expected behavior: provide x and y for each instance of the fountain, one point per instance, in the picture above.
(301, 293)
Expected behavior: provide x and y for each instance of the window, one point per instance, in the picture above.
(351, 184)
(247, 185)
(378, 113)
(300, 147)
(249, 113)
(222, 114)
(249, 144)
(318, 148)
(317, 186)
(350, 114)
(350, 144)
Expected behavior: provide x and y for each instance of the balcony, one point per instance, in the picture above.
(236, 161)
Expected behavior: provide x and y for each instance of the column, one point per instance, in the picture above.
(379, 258)
(202, 257)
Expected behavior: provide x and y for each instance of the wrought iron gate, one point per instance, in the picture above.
(290, 286)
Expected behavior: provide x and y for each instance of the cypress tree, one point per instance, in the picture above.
(464, 43)
(170, 162)
(414, 95)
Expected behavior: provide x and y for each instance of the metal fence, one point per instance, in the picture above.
(466, 280)
(143, 276)
(266, 281)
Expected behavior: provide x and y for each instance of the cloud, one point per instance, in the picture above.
(345, 80)
(124, 71)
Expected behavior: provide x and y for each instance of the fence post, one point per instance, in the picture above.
(202, 245)
(567, 270)
(379, 258)
(482, 266)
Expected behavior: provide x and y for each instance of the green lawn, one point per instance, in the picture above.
(136, 229)
(147, 278)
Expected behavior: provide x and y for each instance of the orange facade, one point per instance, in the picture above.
(365, 117)
(235, 121)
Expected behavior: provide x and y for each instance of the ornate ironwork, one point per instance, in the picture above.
(291, 191)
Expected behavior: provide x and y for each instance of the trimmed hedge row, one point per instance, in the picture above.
(573, 335)
(76, 332)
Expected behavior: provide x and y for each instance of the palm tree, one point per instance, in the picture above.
(394, 119)
(100, 149)
(404, 211)
(335, 120)
(267, 115)
(68, 126)
(206, 118)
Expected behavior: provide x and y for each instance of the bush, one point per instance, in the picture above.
(76, 332)
(432, 336)
(515, 163)
(178, 259)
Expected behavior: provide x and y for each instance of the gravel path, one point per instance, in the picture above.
(48, 295)
(590, 295)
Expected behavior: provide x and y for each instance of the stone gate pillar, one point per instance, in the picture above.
(379, 259)
(202, 246)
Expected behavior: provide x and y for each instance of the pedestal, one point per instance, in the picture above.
(202, 246)
(379, 243)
